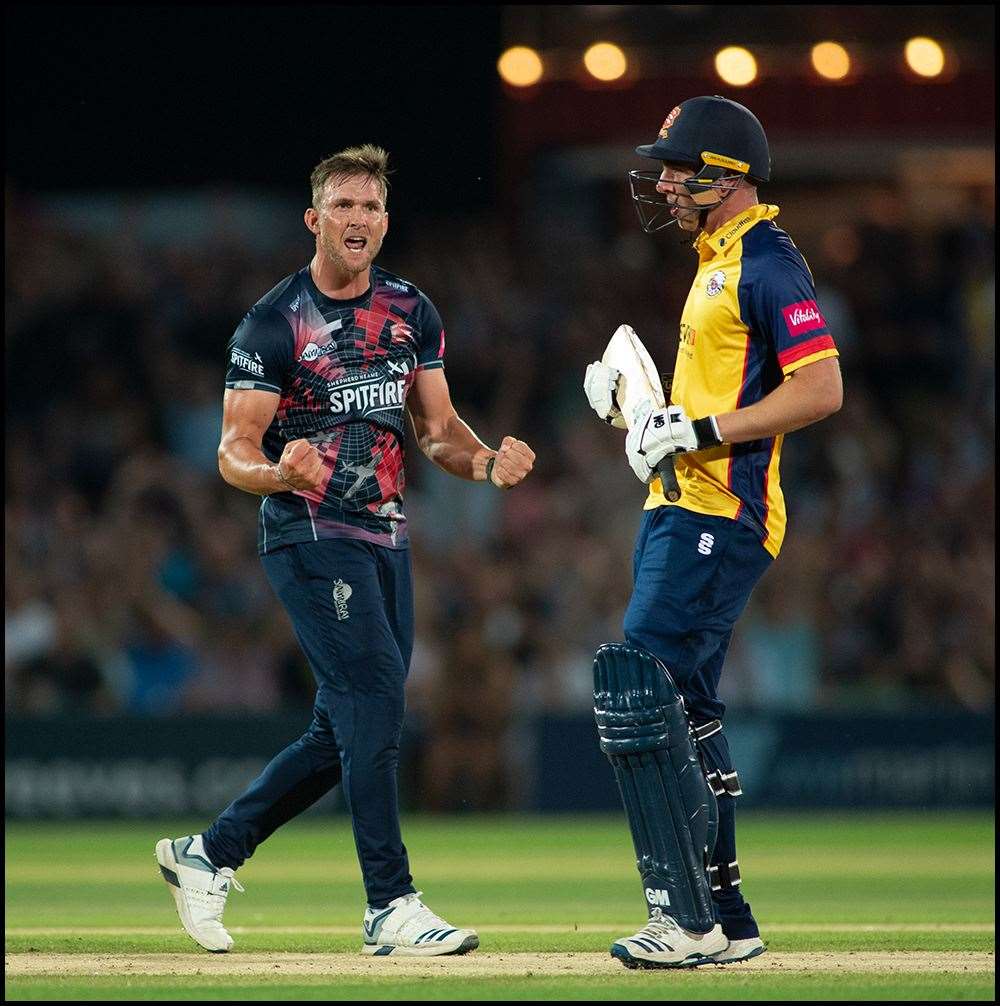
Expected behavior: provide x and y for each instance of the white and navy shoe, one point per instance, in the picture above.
(662, 943)
(740, 950)
(408, 928)
(199, 889)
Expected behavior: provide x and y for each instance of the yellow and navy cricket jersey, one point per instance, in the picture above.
(750, 320)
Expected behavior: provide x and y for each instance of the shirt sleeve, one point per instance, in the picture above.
(787, 315)
(260, 352)
(430, 350)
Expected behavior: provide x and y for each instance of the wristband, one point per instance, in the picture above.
(707, 432)
(489, 471)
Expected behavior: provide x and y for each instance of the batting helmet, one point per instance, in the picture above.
(717, 138)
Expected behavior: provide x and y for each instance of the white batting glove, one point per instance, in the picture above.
(600, 385)
(657, 434)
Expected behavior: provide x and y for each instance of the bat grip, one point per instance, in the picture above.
(668, 479)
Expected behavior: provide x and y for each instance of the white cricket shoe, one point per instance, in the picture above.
(740, 950)
(408, 928)
(662, 943)
(199, 890)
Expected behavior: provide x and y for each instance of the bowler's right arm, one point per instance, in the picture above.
(246, 415)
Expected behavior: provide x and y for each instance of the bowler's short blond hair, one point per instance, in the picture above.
(367, 160)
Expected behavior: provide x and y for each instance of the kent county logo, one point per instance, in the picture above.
(716, 283)
(669, 121)
(401, 331)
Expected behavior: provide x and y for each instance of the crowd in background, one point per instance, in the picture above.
(132, 581)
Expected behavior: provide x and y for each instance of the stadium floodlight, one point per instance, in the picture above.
(605, 61)
(831, 60)
(736, 65)
(520, 66)
(924, 56)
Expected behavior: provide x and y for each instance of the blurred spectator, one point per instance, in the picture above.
(132, 577)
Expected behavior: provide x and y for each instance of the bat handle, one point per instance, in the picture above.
(668, 479)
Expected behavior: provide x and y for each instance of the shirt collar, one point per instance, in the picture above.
(720, 241)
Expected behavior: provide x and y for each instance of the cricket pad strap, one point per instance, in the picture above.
(714, 751)
(672, 813)
(724, 876)
(725, 783)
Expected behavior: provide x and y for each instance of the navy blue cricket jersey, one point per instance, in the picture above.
(342, 369)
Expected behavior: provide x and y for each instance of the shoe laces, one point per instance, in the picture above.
(230, 875)
(660, 926)
(423, 918)
(211, 898)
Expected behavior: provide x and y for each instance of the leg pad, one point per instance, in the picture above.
(671, 809)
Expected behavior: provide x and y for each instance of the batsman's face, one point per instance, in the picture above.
(684, 210)
(351, 222)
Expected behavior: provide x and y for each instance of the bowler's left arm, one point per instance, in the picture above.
(449, 442)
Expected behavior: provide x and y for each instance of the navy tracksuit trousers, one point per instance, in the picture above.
(351, 605)
(693, 575)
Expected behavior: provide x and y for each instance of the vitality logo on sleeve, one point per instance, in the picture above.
(802, 317)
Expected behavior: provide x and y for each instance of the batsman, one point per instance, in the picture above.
(755, 361)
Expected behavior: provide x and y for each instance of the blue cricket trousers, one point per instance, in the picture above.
(351, 605)
(692, 577)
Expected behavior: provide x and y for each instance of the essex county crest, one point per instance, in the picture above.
(716, 283)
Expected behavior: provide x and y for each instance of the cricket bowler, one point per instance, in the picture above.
(321, 372)
(755, 361)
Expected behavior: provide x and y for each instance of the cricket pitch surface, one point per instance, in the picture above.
(474, 965)
(853, 907)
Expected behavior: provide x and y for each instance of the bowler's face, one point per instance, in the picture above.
(352, 222)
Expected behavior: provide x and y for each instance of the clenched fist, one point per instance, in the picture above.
(301, 466)
(512, 463)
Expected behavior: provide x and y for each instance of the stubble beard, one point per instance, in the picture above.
(334, 256)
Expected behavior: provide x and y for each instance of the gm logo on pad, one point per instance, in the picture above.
(657, 898)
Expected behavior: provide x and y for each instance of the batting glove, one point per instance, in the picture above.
(600, 385)
(657, 434)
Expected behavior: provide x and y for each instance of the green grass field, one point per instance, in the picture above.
(853, 907)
